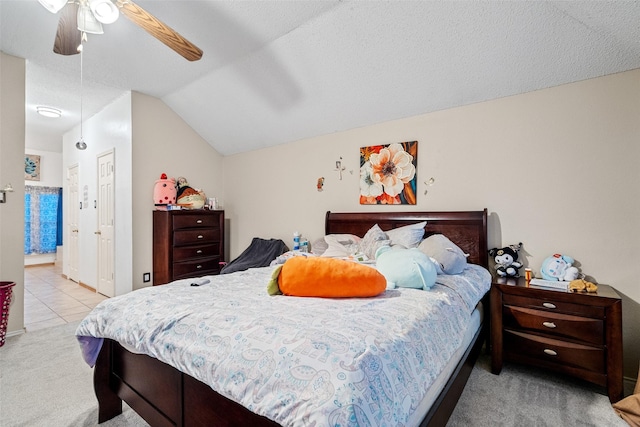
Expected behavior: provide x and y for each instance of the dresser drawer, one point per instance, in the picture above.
(192, 252)
(195, 236)
(561, 325)
(554, 351)
(194, 221)
(553, 305)
(196, 268)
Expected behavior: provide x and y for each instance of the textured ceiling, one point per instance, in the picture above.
(279, 71)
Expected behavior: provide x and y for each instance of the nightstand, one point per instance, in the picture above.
(578, 334)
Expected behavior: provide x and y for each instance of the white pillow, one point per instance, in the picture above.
(408, 236)
(319, 246)
(373, 240)
(341, 245)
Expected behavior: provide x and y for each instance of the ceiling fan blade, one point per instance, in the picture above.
(68, 38)
(159, 30)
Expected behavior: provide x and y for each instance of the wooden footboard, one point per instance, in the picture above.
(161, 394)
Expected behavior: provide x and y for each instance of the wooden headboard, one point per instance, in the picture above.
(466, 229)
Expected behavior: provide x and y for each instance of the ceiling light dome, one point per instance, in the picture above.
(104, 11)
(48, 111)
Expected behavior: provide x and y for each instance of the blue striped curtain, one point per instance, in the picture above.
(42, 219)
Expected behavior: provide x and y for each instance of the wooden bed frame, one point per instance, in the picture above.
(164, 396)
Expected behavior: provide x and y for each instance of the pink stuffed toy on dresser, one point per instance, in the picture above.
(164, 191)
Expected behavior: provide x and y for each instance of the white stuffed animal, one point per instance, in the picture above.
(559, 268)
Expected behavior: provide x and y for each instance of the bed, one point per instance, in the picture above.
(166, 396)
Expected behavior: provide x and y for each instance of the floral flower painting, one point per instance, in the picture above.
(32, 167)
(388, 174)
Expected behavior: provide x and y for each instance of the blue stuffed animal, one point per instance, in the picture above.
(559, 268)
(405, 268)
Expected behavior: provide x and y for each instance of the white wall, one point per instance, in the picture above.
(108, 129)
(164, 143)
(557, 170)
(12, 119)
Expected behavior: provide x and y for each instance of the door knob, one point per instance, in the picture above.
(97, 232)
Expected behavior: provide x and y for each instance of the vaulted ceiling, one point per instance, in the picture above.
(279, 71)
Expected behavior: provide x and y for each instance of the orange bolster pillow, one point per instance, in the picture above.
(329, 277)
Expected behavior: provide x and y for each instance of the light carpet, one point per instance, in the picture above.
(45, 382)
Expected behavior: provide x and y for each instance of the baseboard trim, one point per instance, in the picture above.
(84, 285)
(628, 385)
(14, 333)
(39, 264)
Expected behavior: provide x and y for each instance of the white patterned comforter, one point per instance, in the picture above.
(299, 361)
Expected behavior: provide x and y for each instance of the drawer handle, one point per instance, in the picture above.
(200, 236)
(549, 324)
(548, 305)
(198, 266)
(198, 221)
(550, 352)
(199, 251)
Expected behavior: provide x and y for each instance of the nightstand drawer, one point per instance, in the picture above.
(554, 351)
(185, 253)
(553, 305)
(190, 237)
(561, 325)
(194, 221)
(196, 268)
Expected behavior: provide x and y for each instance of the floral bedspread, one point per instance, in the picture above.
(298, 361)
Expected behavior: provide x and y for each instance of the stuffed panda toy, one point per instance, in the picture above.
(506, 260)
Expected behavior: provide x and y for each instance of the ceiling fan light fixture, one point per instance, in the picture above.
(104, 11)
(48, 111)
(87, 23)
(53, 6)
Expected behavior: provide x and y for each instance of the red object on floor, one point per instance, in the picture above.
(5, 301)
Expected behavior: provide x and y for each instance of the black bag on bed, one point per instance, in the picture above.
(260, 253)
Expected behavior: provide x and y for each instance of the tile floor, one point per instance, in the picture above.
(51, 300)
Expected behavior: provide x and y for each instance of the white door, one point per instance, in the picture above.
(105, 232)
(73, 213)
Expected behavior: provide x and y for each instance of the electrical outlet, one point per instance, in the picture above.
(146, 277)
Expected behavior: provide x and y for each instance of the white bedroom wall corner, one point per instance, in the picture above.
(163, 143)
(12, 137)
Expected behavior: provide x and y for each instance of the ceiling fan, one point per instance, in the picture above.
(87, 16)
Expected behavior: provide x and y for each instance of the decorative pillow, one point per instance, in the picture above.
(326, 277)
(374, 239)
(451, 258)
(405, 268)
(319, 246)
(341, 245)
(408, 236)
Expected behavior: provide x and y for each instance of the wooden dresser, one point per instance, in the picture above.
(187, 243)
(578, 334)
